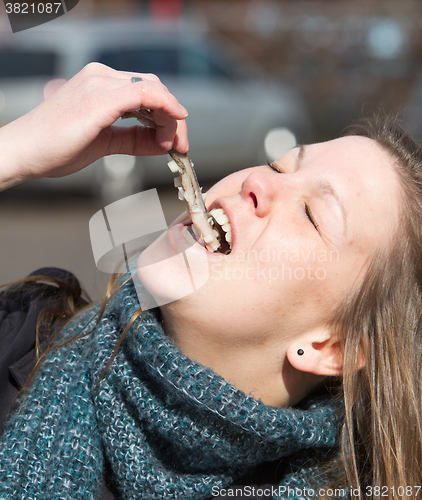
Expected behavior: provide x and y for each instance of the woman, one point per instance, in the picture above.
(182, 401)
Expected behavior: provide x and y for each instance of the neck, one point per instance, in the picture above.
(258, 367)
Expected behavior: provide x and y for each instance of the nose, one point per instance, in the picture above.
(261, 188)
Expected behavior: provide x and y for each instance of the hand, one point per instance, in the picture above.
(73, 127)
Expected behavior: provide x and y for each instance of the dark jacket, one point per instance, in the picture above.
(20, 308)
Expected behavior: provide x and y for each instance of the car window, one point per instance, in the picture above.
(197, 64)
(172, 61)
(17, 63)
(153, 60)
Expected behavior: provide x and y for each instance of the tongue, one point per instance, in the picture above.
(224, 248)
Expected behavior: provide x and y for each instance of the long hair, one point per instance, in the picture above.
(70, 302)
(381, 441)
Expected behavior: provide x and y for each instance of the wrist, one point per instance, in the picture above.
(11, 163)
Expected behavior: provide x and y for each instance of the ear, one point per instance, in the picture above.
(322, 354)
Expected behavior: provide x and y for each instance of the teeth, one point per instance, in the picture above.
(177, 182)
(216, 211)
(221, 218)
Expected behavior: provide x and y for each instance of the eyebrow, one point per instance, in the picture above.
(325, 187)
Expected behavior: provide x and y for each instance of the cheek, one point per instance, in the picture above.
(342, 274)
(354, 259)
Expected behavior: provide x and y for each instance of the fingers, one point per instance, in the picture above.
(112, 93)
(144, 76)
(97, 81)
(125, 76)
(166, 112)
(165, 135)
(80, 116)
(73, 127)
(135, 141)
(142, 141)
(170, 132)
(173, 136)
(181, 141)
(150, 95)
(105, 71)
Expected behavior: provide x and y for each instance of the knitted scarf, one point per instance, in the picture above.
(168, 427)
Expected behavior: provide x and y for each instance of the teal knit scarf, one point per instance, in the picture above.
(168, 427)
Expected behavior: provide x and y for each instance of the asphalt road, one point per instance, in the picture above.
(46, 229)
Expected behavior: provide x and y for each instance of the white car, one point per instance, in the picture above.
(231, 105)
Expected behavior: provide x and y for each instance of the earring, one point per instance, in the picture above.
(300, 352)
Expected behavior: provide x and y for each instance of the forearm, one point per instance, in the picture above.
(11, 158)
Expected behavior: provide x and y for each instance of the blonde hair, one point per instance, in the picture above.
(381, 441)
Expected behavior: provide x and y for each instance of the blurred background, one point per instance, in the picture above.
(242, 68)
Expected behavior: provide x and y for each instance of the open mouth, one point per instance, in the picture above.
(221, 224)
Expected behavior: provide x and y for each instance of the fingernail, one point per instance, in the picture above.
(183, 110)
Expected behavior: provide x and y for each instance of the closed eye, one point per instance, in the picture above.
(275, 167)
(308, 212)
(310, 217)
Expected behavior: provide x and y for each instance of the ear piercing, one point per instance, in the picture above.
(300, 352)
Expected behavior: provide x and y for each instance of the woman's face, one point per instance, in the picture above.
(302, 231)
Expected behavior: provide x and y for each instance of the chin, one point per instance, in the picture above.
(170, 268)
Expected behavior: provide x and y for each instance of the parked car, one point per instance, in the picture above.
(231, 104)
